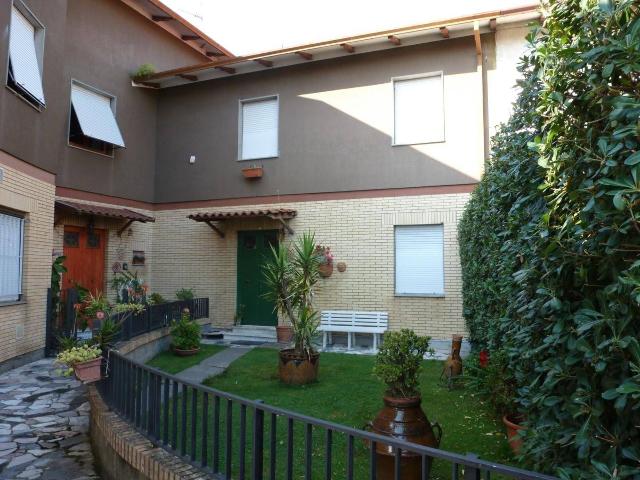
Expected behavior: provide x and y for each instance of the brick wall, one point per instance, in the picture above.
(360, 233)
(22, 325)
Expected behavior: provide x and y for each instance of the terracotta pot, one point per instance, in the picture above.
(88, 371)
(512, 422)
(403, 418)
(296, 369)
(284, 333)
(326, 269)
(252, 172)
(185, 353)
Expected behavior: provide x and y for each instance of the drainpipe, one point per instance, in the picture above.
(482, 83)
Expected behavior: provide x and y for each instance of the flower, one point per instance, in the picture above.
(484, 358)
(100, 315)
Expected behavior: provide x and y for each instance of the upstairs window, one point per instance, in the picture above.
(11, 240)
(258, 128)
(26, 47)
(419, 260)
(93, 123)
(418, 109)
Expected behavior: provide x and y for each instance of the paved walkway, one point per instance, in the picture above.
(213, 365)
(44, 424)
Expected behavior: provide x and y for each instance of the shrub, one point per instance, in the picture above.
(185, 333)
(143, 71)
(399, 361)
(156, 299)
(185, 294)
(559, 290)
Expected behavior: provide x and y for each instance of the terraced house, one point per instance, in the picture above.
(187, 176)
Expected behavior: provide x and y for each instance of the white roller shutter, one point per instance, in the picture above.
(418, 110)
(95, 115)
(22, 52)
(419, 260)
(259, 129)
(11, 239)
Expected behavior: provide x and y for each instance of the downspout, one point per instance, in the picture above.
(482, 83)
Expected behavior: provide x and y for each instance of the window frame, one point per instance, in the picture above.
(395, 264)
(113, 104)
(241, 102)
(39, 41)
(417, 76)
(22, 217)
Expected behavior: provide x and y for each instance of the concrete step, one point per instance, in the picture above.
(251, 332)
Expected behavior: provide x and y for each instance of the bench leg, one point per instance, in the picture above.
(375, 342)
(330, 338)
(324, 340)
(349, 340)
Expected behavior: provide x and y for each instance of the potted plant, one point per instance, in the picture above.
(185, 335)
(398, 366)
(144, 71)
(291, 277)
(252, 172)
(284, 333)
(326, 261)
(83, 360)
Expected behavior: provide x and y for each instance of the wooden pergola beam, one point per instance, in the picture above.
(263, 62)
(191, 78)
(493, 24)
(229, 70)
(285, 225)
(126, 225)
(186, 38)
(395, 40)
(215, 228)
(305, 55)
(215, 54)
(161, 18)
(444, 31)
(476, 37)
(348, 47)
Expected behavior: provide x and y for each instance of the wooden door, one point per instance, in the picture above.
(253, 250)
(85, 252)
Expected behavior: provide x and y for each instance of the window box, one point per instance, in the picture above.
(252, 172)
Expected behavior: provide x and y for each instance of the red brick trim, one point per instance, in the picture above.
(26, 168)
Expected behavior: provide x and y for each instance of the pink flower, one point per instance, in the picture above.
(100, 315)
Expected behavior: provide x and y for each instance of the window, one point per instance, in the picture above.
(26, 46)
(258, 128)
(93, 123)
(418, 109)
(420, 260)
(11, 239)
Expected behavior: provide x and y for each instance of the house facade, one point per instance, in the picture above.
(373, 143)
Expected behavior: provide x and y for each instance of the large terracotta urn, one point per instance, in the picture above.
(403, 418)
(295, 368)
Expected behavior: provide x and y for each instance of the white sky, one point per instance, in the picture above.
(252, 26)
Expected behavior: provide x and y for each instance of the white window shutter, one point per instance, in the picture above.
(259, 129)
(22, 52)
(11, 240)
(419, 260)
(95, 115)
(418, 110)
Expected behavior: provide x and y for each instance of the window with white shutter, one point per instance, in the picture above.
(419, 259)
(11, 240)
(418, 109)
(258, 128)
(26, 46)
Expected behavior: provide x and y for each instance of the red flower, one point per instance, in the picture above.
(484, 358)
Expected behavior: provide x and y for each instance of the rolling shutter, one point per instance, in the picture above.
(95, 115)
(259, 124)
(22, 53)
(11, 236)
(418, 110)
(420, 260)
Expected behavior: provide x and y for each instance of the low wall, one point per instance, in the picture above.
(121, 451)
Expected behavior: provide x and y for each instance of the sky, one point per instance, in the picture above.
(252, 26)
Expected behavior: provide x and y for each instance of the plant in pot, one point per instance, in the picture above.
(291, 276)
(326, 261)
(185, 335)
(398, 366)
(83, 360)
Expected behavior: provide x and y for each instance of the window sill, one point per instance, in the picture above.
(39, 108)
(80, 147)
(13, 303)
(419, 295)
(257, 158)
(430, 142)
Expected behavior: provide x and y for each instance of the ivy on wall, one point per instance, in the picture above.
(550, 242)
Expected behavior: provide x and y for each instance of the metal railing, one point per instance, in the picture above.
(227, 436)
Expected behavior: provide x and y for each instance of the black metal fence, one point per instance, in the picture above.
(228, 436)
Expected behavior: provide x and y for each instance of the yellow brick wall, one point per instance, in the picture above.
(22, 326)
(360, 233)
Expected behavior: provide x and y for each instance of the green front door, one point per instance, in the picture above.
(253, 250)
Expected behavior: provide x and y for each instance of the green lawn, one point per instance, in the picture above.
(171, 363)
(347, 393)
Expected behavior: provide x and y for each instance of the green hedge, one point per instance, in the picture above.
(550, 241)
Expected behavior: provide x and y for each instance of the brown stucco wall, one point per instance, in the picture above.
(336, 123)
(98, 42)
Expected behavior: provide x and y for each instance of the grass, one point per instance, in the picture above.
(171, 363)
(347, 393)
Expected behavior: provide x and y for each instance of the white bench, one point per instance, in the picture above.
(351, 322)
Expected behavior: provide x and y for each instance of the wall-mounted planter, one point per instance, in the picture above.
(252, 172)
(325, 270)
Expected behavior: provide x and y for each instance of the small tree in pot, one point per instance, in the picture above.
(291, 277)
(398, 365)
(185, 335)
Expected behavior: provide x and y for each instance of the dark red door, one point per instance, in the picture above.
(85, 252)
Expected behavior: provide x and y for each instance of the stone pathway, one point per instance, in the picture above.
(213, 365)
(44, 425)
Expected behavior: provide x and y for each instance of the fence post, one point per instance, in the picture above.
(258, 443)
(471, 473)
(48, 345)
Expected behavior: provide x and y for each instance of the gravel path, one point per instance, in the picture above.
(44, 425)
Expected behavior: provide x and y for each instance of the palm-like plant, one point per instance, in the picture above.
(291, 276)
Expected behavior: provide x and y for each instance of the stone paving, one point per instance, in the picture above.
(213, 365)
(44, 425)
